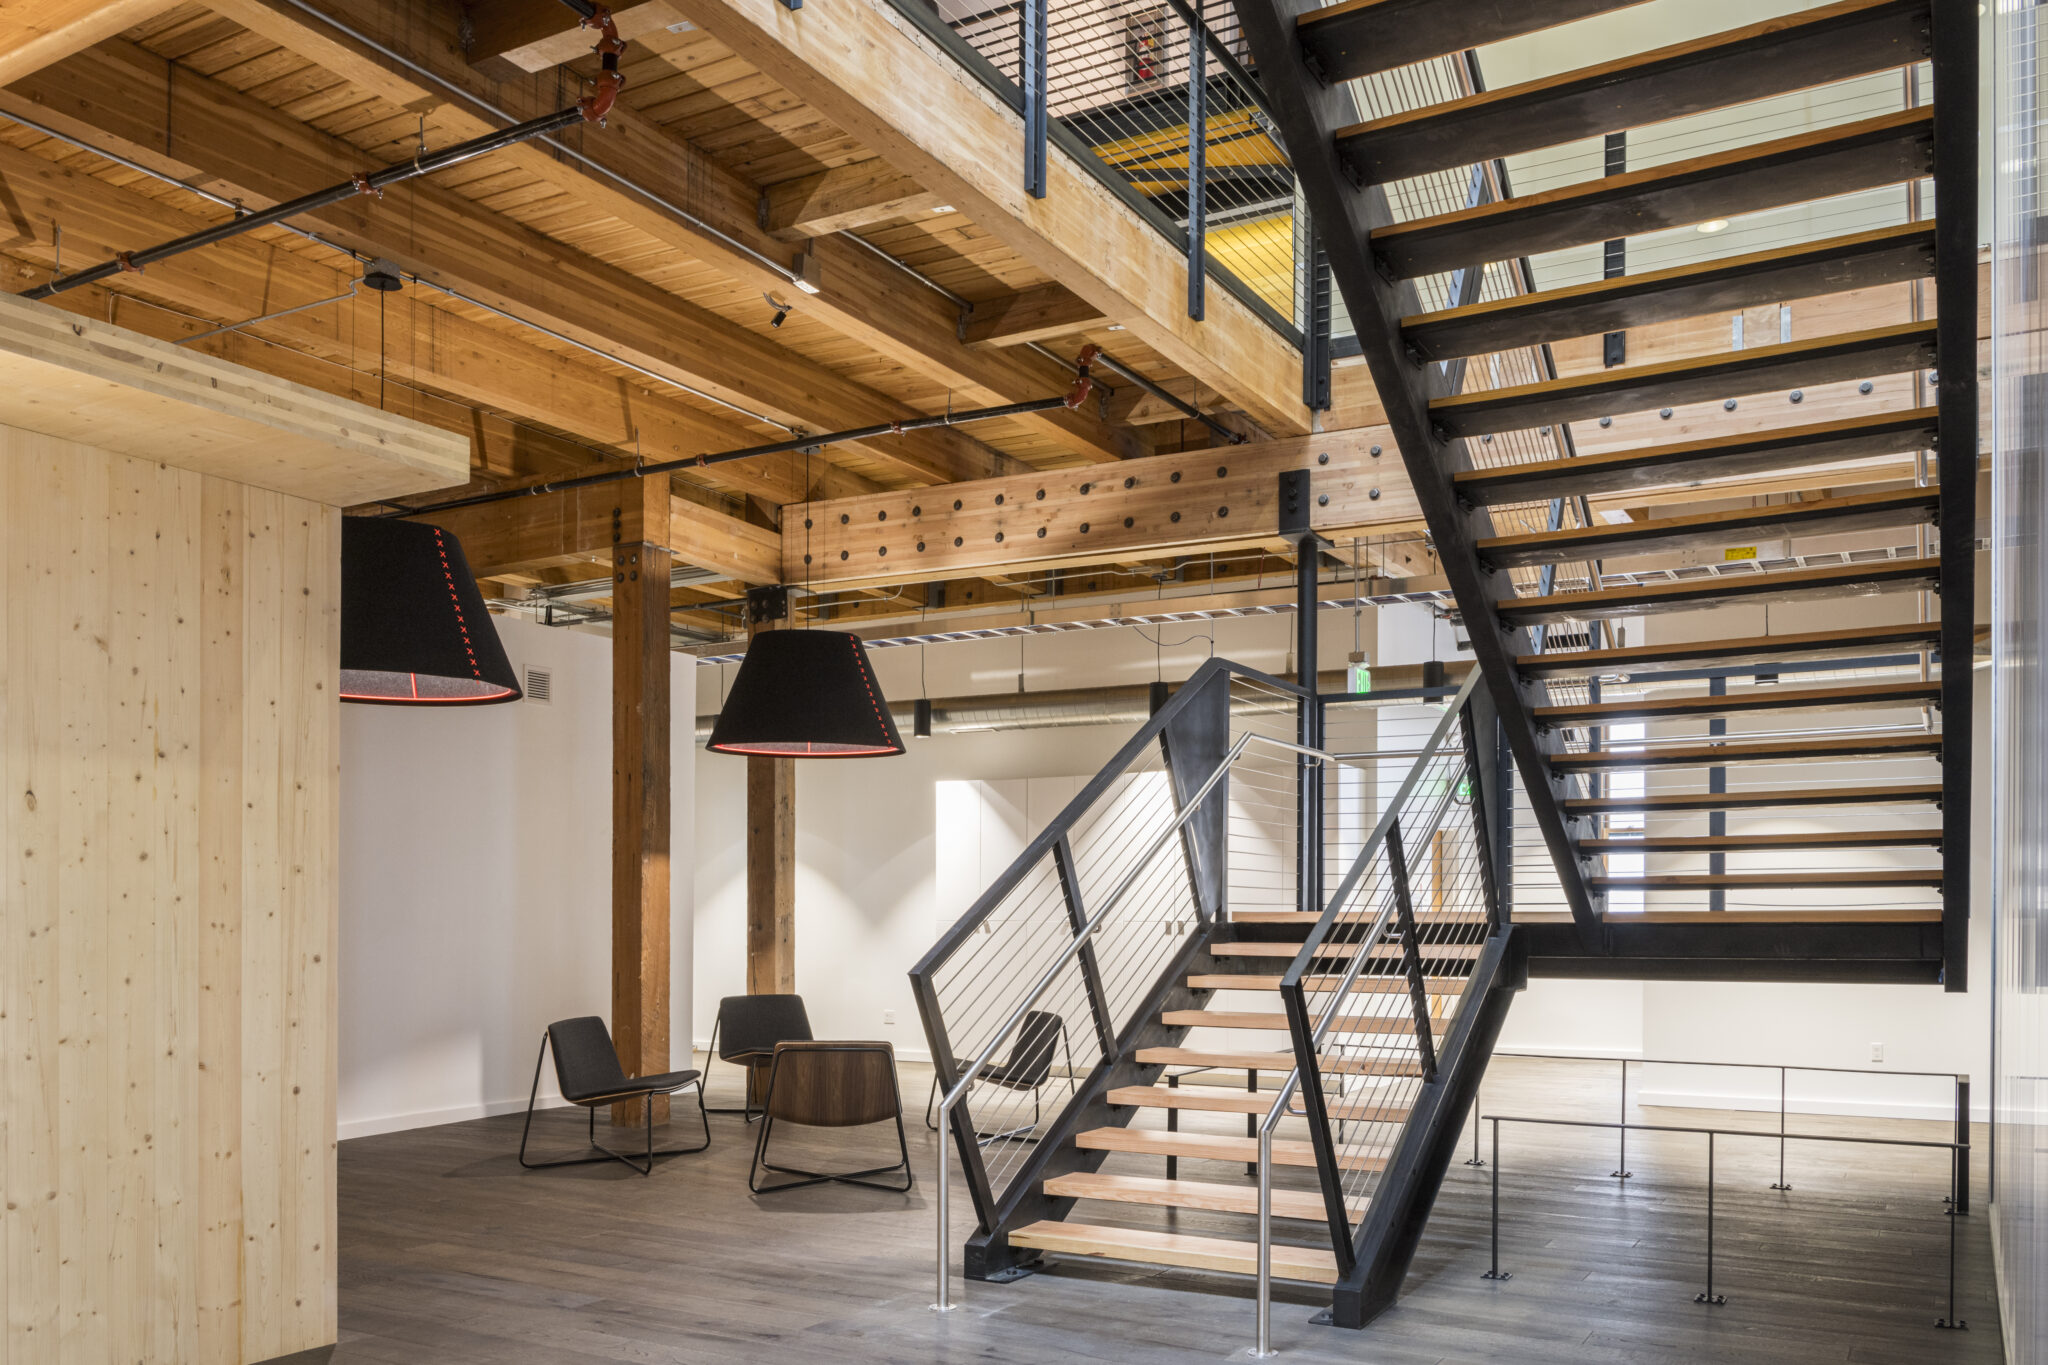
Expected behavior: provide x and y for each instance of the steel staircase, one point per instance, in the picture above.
(1439, 297)
(1279, 1005)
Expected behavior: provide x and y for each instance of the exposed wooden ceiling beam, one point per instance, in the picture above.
(866, 71)
(534, 39)
(1040, 314)
(124, 98)
(33, 36)
(841, 200)
(1192, 502)
(713, 214)
(442, 351)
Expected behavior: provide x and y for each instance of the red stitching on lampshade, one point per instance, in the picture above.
(868, 681)
(455, 599)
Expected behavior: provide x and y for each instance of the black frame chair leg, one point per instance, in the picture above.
(809, 1178)
(643, 1165)
(747, 1106)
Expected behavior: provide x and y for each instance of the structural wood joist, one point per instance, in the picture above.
(652, 179)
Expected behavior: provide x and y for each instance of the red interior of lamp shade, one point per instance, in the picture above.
(414, 628)
(806, 694)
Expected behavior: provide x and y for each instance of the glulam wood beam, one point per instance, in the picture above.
(1039, 314)
(33, 36)
(842, 199)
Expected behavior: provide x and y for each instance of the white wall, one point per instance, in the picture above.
(476, 887)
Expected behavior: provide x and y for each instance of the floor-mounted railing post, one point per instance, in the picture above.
(1411, 952)
(1031, 73)
(942, 1302)
(1960, 1197)
(1475, 1159)
(1494, 1272)
(1621, 1170)
(1710, 1297)
(1782, 1184)
(1264, 1349)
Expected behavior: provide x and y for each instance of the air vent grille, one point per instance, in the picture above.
(540, 686)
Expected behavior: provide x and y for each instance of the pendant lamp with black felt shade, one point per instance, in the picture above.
(806, 694)
(414, 628)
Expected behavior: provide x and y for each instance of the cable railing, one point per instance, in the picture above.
(1377, 983)
(1157, 100)
(1030, 998)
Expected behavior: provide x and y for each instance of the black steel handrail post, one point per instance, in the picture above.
(1710, 1298)
(1960, 1203)
(1621, 1170)
(1091, 971)
(1782, 1184)
(1493, 1271)
(1031, 72)
(1411, 952)
(1488, 880)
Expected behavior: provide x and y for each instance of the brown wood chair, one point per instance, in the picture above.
(830, 1085)
(588, 1071)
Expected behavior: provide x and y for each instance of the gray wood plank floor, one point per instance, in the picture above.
(450, 1253)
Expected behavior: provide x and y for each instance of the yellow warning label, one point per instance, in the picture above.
(1739, 552)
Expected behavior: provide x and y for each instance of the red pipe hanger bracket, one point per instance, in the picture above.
(598, 103)
(1084, 383)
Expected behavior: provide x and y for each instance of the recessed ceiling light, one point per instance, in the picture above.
(942, 208)
(681, 26)
(1713, 225)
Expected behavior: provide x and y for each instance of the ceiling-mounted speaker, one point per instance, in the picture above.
(414, 627)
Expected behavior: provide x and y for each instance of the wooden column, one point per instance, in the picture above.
(640, 788)
(771, 876)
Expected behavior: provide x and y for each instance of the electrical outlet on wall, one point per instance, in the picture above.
(888, 1017)
(1877, 1052)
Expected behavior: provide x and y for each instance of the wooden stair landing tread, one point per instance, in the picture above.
(1190, 1194)
(1273, 1061)
(1210, 1147)
(1175, 1249)
(1215, 1099)
(1858, 642)
(1730, 526)
(1689, 594)
(1231, 981)
(1634, 388)
(1358, 37)
(1859, 260)
(1816, 841)
(1736, 881)
(1760, 798)
(1310, 918)
(1774, 57)
(1855, 697)
(1915, 915)
(1402, 1023)
(1847, 748)
(1886, 150)
(1685, 463)
(1381, 950)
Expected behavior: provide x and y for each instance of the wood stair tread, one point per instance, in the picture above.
(1189, 1194)
(1402, 1023)
(1273, 1061)
(1381, 950)
(1231, 981)
(1357, 37)
(1777, 56)
(1858, 260)
(1818, 516)
(1858, 642)
(1886, 150)
(1730, 753)
(1633, 388)
(1311, 917)
(1815, 841)
(1856, 697)
(1688, 462)
(1760, 798)
(1708, 881)
(1212, 1099)
(1211, 1147)
(1913, 915)
(1689, 594)
(1175, 1249)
